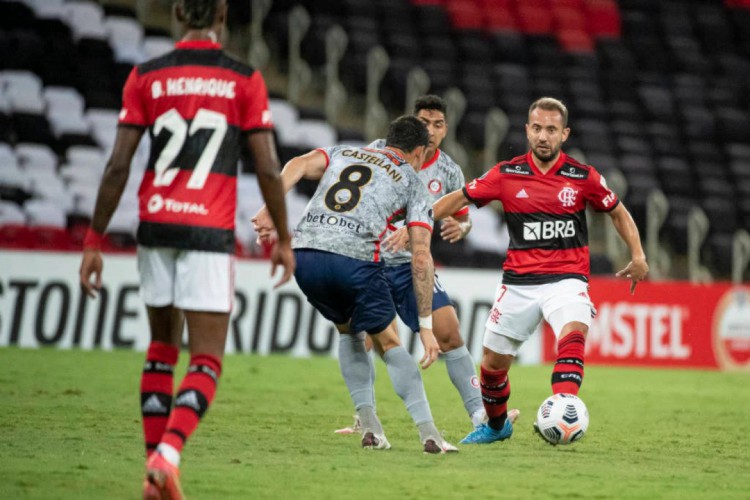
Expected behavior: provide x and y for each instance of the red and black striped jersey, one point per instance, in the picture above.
(197, 104)
(546, 215)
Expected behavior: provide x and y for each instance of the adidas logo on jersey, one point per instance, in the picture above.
(522, 194)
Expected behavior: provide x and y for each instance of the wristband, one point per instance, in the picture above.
(93, 240)
(425, 322)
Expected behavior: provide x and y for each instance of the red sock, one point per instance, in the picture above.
(156, 391)
(193, 399)
(567, 376)
(495, 394)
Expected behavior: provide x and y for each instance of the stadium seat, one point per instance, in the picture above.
(156, 46)
(126, 38)
(36, 157)
(315, 134)
(86, 19)
(42, 212)
(11, 214)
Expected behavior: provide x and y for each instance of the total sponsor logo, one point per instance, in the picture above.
(157, 203)
(625, 330)
(547, 230)
(334, 222)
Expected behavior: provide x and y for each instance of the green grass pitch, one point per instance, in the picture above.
(70, 428)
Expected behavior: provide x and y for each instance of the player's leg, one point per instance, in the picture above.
(514, 316)
(156, 267)
(407, 382)
(568, 310)
(157, 381)
(326, 280)
(356, 368)
(458, 361)
(204, 289)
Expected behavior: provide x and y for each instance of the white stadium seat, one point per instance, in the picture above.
(103, 126)
(285, 118)
(126, 38)
(156, 46)
(86, 19)
(25, 100)
(315, 134)
(86, 155)
(68, 123)
(12, 78)
(47, 9)
(36, 157)
(63, 100)
(10, 213)
(45, 213)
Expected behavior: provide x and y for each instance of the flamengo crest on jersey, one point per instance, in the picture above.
(361, 190)
(546, 215)
(440, 175)
(196, 103)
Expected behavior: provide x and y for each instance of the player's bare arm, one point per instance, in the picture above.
(637, 268)
(266, 165)
(423, 277)
(311, 166)
(455, 228)
(110, 190)
(449, 204)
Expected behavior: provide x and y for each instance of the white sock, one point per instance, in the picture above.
(478, 417)
(169, 453)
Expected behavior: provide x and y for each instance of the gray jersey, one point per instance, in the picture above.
(360, 193)
(440, 175)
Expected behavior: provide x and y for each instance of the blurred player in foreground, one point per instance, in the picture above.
(201, 108)
(544, 195)
(340, 266)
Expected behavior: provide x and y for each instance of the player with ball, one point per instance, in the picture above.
(544, 195)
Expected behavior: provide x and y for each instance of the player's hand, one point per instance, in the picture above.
(263, 225)
(451, 230)
(431, 348)
(397, 240)
(91, 264)
(281, 255)
(635, 271)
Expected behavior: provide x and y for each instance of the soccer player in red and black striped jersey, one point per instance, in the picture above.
(544, 195)
(201, 108)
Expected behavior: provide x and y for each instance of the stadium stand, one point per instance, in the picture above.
(656, 90)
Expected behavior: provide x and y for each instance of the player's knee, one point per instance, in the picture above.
(385, 340)
(574, 326)
(449, 340)
(493, 361)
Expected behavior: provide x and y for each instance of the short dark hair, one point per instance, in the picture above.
(407, 133)
(199, 14)
(430, 101)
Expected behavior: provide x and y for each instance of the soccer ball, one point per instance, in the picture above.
(562, 419)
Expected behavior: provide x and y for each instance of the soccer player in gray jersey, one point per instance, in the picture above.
(440, 175)
(341, 271)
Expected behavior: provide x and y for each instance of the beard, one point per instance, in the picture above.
(545, 157)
